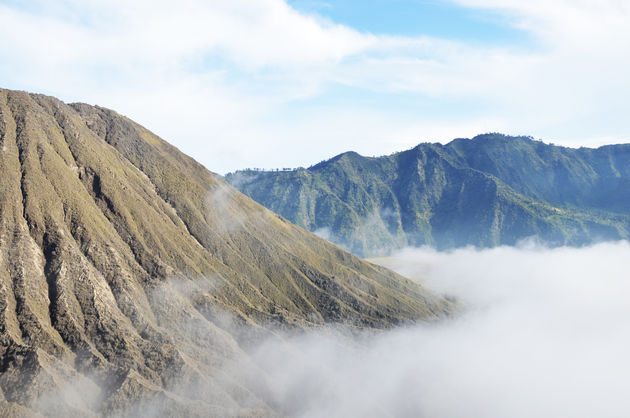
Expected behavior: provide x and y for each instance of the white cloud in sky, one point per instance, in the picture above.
(233, 83)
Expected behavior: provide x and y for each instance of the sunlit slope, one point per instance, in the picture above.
(122, 262)
(488, 191)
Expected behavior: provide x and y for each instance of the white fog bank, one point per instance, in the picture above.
(544, 333)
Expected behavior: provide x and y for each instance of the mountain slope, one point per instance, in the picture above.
(487, 191)
(128, 272)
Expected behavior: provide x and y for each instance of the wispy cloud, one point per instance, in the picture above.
(234, 82)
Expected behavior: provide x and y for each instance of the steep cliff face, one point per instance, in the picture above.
(488, 191)
(128, 272)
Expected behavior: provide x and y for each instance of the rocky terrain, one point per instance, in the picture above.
(131, 277)
(487, 191)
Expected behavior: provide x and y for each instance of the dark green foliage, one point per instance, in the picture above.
(486, 191)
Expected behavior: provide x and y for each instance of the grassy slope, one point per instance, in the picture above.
(119, 257)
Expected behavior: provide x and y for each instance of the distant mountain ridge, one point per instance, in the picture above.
(491, 190)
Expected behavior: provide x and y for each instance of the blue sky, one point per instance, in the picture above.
(436, 18)
(271, 83)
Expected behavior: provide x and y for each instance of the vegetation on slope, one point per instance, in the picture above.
(486, 191)
(128, 271)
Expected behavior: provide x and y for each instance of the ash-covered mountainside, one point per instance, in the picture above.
(130, 275)
(486, 191)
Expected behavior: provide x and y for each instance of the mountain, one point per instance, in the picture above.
(486, 191)
(131, 276)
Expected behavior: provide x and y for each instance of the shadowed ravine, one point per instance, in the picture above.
(130, 275)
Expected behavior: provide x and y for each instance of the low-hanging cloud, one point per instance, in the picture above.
(544, 333)
(541, 333)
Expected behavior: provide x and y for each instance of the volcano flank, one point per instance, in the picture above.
(130, 275)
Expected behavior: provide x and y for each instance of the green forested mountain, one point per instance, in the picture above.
(486, 191)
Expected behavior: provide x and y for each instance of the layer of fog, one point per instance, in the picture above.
(543, 332)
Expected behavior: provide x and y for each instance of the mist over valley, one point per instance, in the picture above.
(314, 209)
